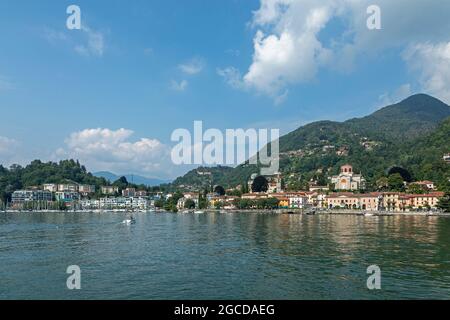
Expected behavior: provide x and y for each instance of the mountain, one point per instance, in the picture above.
(406, 120)
(135, 179)
(413, 133)
(204, 177)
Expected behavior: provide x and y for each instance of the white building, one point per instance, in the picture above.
(52, 187)
(109, 190)
(67, 196)
(21, 196)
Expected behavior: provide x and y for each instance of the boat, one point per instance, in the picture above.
(310, 212)
(199, 211)
(129, 221)
(368, 214)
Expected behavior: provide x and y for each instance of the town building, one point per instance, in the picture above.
(67, 196)
(68, 187)
(348, 180)
(182, 202)
(109, 189)
(348, 200)
(141, 193)
(294, 200)
(426, 184)
(22, 196)
(446, 157)
(51, 187)
(227, 202)
(86, 189)
(129, 192)
(385, 201)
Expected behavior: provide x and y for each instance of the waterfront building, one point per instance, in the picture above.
(348, 200)
(22, 196)
(141, 193)
(294, 200)
(348, 180)
(86, 189)
(188, 196)
(109, 189)
(67, 196)
(254, 196)
(423, 201)
(226, 201)
(392, 201)
(386, 201)
(129, 192)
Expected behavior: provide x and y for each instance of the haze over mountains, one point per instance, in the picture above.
(414, 133)
(132, 178)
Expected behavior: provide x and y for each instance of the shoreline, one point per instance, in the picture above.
(252, 211)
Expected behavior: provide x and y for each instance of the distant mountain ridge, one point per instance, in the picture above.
(132, 178)
(399, 134)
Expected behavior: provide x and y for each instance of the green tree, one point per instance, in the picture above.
(189, 204)
(382, 183)
(260, 184)
(444, 202)
(219, 190)
(395, 182)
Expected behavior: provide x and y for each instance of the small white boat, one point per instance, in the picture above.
(199, 211)
(368, 214)
(129, 221)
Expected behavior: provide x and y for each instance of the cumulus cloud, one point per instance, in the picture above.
(432, 64)
(106, 149)
(289, 46)
(193, 66)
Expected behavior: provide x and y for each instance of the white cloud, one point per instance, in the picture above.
(193, 66)
(289, 47)
(232, 77)
(106, 149)
(179, 86)
(397, 95)
(432, 64)
(95, 43)
(86, 42)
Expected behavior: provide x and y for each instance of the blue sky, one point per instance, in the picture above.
(151, 67)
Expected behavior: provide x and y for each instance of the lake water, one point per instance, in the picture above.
(223, 256)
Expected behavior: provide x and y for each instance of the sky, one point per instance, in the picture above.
(112, 93)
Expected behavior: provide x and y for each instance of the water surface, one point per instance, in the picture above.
(223, 256)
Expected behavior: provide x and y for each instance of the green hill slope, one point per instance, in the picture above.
(412, 133)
